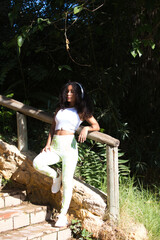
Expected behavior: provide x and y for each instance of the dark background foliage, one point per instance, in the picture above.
(114, 53)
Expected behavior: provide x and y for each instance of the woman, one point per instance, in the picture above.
(61, 145)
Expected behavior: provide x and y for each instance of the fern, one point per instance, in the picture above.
(92, 164)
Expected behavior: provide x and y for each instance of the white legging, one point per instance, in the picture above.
(63, 148)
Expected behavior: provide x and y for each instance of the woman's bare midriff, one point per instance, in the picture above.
(63, 132)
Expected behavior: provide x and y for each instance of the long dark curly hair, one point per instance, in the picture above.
(82, 104)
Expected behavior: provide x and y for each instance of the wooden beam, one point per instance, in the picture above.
(112, 183)
(25, 109)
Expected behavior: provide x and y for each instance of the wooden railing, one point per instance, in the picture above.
(112, 144)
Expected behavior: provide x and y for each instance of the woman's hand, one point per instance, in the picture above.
(83, 135)
(94, 126)
(46, 148)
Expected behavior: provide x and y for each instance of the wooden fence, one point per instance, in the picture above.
(112, 144)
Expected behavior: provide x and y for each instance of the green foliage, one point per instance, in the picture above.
(86, 235)
(136, 48)
(27, 31)
(64, 66)
(92, 164)
(7, 117)
(5, 182)
(124, 170)
(20, 41)
(76, 227)
(78, 9)
(78, 232)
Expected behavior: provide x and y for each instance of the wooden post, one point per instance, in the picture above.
(22, 132)
(112, 183)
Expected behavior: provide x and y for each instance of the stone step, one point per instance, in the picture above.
(22, 220)
(9, 198)
(22, 215)
(41, 231)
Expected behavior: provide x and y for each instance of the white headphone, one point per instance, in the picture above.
(82, 91)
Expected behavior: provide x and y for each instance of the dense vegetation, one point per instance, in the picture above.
(111, 47)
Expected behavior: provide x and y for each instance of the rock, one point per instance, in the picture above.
(22, 177)
(89, 198)
(137, 232)
(91, 222)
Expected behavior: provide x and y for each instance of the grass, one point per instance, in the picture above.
(141, 206)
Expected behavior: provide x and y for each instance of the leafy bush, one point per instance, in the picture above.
(78, 232)
(92, 164)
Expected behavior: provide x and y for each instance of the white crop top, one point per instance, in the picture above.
(67, 119)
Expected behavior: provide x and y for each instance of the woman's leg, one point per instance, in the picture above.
(69, 163)
(43, 160)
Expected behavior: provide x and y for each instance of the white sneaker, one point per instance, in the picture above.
(62, 221)
(56, 183)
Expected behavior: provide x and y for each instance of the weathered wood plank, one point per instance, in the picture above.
(25, 109)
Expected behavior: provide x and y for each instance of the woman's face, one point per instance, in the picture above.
(71, 96)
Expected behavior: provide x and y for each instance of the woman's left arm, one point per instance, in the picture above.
(93, 126)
